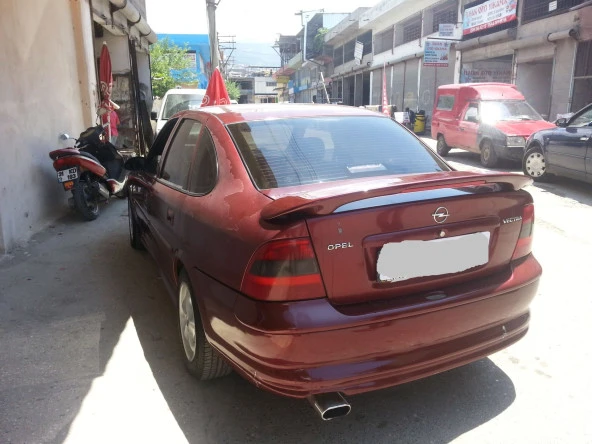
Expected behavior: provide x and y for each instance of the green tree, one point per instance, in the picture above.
(233, 89)
(319, 41)
(169, 66)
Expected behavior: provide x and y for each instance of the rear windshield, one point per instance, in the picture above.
(180, 102)
(289, 152)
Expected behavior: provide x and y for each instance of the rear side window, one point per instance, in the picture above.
(178, 159)
(445, 103)
(290, 152)
(204, 171)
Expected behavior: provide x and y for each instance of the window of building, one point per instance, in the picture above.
(270, 83)
(412, 29)
(384, 41)
(535, 9)
(445, 103)
(366, 40)
(348, 50)
(178, 159)
(582, 88)
(204, 172)
(446, 13)
(338, 56)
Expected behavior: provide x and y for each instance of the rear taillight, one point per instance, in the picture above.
(284, 270)
(524, 244)
(63, 162)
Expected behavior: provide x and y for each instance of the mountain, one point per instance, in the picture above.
(255, 54)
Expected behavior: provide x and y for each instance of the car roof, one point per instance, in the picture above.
(484, 91)
(185, 91)
(248, 112)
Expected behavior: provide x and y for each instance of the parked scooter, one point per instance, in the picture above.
(93, 170)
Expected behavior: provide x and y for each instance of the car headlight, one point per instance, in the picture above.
(515, 141)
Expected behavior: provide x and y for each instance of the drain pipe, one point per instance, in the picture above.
(135, 18)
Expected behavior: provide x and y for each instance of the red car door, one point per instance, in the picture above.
(165, 202)
(468, 127)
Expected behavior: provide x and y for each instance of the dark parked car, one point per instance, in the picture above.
(323, 250)
(564, 151)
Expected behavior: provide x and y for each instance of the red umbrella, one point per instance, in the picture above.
(106, 81)
(216, 93)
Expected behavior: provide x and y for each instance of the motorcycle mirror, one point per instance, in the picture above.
(64, 136)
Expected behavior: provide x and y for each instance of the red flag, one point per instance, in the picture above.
(385, 109)
(216, 93)
(106, 81)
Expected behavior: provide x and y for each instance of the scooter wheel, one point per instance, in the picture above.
(85, 201)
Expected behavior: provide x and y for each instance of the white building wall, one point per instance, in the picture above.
(46, 88)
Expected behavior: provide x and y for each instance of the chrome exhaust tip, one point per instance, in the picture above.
(330, 405)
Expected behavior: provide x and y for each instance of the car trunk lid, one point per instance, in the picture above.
(392, 237)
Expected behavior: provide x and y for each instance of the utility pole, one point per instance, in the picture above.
(304, 23)
(211, 8)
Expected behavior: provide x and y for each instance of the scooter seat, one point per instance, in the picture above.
(90, 156)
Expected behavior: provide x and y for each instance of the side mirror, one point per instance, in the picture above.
(153, 115)
(135, 164)
(562, 123)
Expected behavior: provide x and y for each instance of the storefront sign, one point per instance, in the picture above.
(446, 30)
(486, 72)
(436, 53)
(358, 52)
(489, 14)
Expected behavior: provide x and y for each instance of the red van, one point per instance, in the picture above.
(492, 119)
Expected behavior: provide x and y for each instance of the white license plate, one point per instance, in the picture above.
(400, 261)
(66, 175)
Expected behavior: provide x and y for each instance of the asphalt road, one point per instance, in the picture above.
(89, 353)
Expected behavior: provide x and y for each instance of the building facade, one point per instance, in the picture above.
(49, 85)
(543, 47)
(198, 52)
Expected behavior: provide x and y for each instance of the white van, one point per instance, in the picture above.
(176, 100)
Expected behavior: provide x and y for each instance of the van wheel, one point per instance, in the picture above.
(441, 148)
(488, 155)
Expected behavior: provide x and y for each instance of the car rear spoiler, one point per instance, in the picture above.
(307, 204)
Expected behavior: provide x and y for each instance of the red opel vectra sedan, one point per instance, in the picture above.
(323, 250)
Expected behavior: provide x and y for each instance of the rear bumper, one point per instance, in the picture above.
(309, 347)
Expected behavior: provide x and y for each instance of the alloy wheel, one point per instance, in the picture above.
(187, 321)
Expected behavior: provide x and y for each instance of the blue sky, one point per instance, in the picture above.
(250, 21)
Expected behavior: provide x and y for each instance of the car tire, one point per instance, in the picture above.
(489, 157)
(201, 359)
(84, 201)
(441, 147)
(534, 164)
(134, 228)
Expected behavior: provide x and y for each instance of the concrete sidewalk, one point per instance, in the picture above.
(72, 363)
